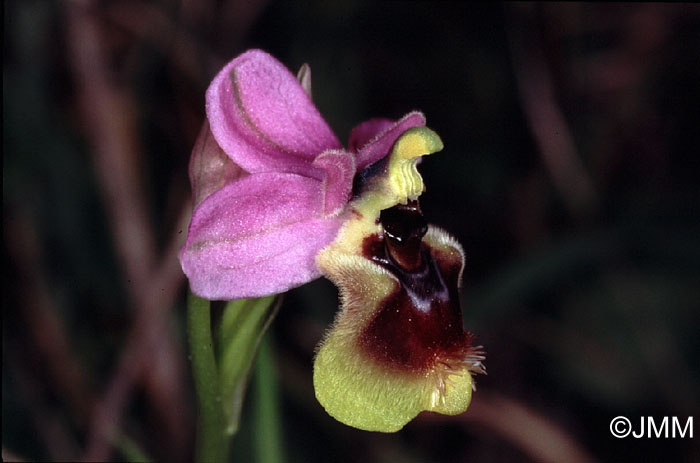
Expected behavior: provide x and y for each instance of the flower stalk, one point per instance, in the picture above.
(221, 372)
(212, 441)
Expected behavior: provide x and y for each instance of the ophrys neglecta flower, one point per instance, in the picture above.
(279, 201)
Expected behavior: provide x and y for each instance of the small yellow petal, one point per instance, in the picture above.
(404, 180)
(399, 180)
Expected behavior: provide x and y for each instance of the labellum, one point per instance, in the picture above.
(398, 346)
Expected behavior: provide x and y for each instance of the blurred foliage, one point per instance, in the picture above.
(585, 316)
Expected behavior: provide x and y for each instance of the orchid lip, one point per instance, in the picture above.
(398, 346)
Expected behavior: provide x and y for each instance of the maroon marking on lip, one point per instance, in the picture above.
(421, 320)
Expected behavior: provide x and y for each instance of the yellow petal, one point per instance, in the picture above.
(394, 183)
(397, 180)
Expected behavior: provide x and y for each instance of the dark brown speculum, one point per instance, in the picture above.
(404, 228)
(421, 320)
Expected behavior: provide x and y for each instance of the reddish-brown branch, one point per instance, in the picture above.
(110, 124)
(112, 131)
(136, 358)
(51, 429)
(548, 125)
(150, 24)
(49, 336)
(8, 455)
(533, 433)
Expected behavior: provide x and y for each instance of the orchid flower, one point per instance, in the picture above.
(279, 202)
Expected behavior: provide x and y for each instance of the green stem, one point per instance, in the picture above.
(212, 441)
(267, 434)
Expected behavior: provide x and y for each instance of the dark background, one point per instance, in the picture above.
(570, 175)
